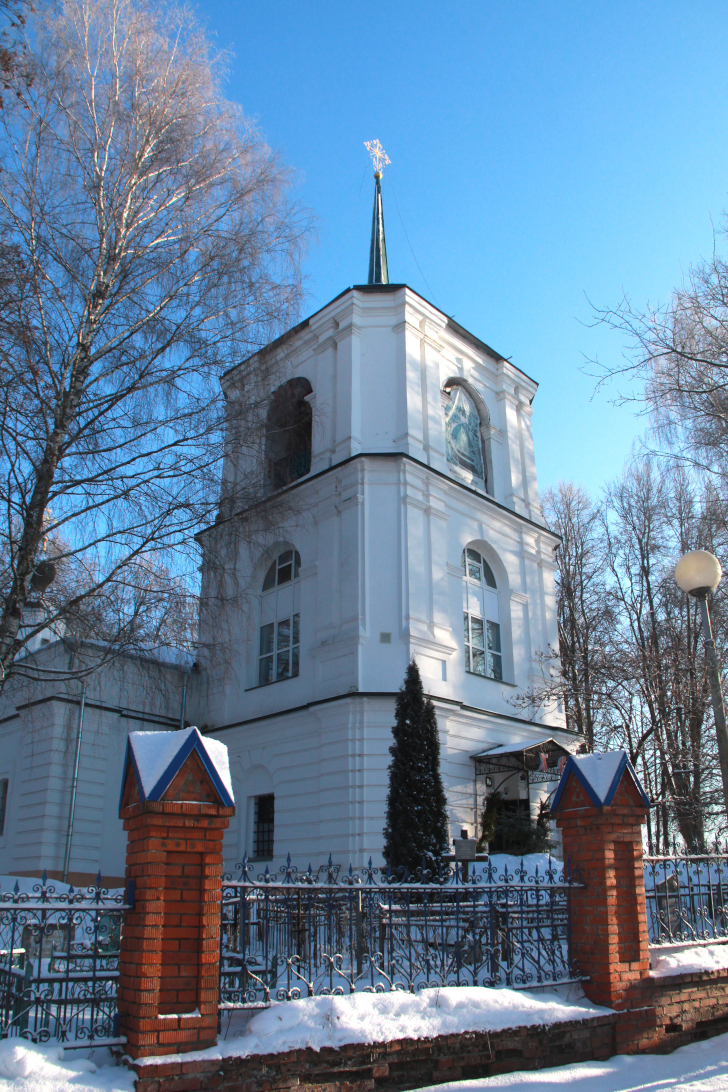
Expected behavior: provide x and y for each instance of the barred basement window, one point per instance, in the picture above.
(3, 802)
(263, 826)
(481, 626)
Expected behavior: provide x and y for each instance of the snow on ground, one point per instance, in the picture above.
(682, 958)
(31, 885)
(374, 1018)
(26, 885)
(508, 866)
(700, 1067)
(25, 1067)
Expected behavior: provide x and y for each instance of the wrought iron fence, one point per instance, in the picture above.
(687, 897)
(59, 962)
(292, 933)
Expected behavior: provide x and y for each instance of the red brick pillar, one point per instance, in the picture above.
(600, 807)
(170, 946)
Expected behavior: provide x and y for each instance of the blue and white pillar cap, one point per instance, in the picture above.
(157, 758)
(599, 776)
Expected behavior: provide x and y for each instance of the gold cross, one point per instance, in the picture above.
(380, 159)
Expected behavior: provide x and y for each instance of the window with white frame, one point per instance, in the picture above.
(280, 620)
(481, 620)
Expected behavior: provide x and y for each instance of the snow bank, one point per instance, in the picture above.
(26, 884)
(374, 1018)
(700, 1067)
(25, 1067)
(507, 866)
(682, 958)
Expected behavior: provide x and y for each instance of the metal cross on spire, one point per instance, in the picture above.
(380, 159)
(378, 271)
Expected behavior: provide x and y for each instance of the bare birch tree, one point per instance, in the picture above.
(584, 615)
(13, 67)
(632, 670)
(678, 353)
(662, 701)
(152, 243)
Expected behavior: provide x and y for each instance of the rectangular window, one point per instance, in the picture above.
(3, 802)
(279, 650)
(264, 811)
(482, 647)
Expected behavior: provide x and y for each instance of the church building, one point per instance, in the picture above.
(405, 444)
(398, 447)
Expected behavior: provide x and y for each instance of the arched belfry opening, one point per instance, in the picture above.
(467, 434)
(288, 434)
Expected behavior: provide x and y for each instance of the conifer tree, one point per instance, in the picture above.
(416, 829)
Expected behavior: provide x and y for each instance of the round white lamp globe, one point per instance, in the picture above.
(698, 571)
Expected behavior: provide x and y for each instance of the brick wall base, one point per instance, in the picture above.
(402, 1064)
(668, 1012)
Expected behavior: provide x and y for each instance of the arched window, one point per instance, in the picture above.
(280, 620)
(288, 434)
(464, 443)
(481, 620)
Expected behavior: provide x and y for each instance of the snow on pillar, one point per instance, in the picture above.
(176, 802)
(600, 807)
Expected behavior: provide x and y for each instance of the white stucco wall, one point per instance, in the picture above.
(38, 729)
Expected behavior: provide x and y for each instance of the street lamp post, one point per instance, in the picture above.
(698, 573)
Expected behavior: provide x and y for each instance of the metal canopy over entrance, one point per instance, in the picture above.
(540, 760)
(513, 768)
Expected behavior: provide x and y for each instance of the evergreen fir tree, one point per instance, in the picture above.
(417, 828)
(505, 829)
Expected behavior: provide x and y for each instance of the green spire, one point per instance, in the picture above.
(378, 272)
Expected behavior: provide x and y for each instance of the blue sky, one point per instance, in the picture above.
(543, 155)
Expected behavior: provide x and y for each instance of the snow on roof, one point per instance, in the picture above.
(513, 748)
(600, 776)
(157, 757)
(177, 657)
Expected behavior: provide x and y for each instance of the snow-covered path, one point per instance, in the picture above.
(700, 1067)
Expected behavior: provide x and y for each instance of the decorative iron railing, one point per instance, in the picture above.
(59, 962)
(290, 934)
(686, 897)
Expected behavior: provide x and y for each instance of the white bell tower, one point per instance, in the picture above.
(404, 445)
